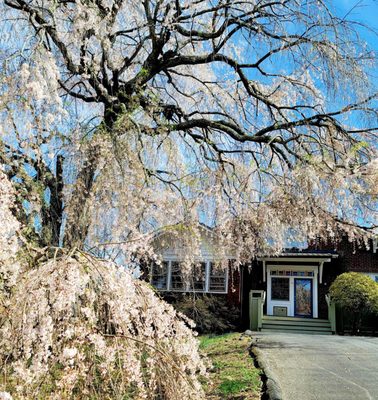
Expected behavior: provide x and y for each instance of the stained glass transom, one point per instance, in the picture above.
(291, 273)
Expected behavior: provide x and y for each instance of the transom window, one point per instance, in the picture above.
(205, 276)
(280, 289)
(291, 273)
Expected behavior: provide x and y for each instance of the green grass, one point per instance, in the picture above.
(233, 375)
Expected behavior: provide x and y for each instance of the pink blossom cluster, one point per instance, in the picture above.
(73, 326)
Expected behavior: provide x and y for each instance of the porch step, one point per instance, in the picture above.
(295, 319)
(290, 324)
(297, 331)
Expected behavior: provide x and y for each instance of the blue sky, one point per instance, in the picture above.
(364, 11)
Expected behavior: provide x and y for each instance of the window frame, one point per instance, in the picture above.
(170, 271)
(193, 282)
(214, 276)
(187, 288)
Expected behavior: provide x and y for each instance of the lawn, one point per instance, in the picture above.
(233, 376)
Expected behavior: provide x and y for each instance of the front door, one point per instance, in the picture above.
(303, 297)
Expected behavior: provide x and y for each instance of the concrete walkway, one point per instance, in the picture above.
(317, 367)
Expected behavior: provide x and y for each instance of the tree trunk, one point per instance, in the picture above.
(52, 214)
(78, 217)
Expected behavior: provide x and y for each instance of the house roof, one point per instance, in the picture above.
(286, 253)
(309, 253)
(302, 253)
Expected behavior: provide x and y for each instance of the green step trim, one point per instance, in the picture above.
(297, 323)
(296, 327)
(316, 326)
(297, 331)
(277, 318)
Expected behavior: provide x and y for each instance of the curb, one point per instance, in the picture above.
(273, 389)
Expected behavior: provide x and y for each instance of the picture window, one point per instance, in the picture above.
(206, 276)
(280, 289)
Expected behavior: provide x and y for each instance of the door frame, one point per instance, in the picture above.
(289, 304)
(311, 280)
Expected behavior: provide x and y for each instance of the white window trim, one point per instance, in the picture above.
(187, 289)
(208, 280)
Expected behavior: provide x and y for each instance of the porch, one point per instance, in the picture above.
(274, 323)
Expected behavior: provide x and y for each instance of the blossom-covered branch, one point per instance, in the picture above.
(220, 106)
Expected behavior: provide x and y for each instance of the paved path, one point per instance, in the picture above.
(317, 367)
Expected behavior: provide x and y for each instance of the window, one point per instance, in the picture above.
(206, 277)
(372, 275)
(159, 277)
(280, 289)
(217, 281)
(198, 278)
(177, 279)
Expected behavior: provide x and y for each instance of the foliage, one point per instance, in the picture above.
(124, 116)
(210, 313)
(75, 327)
(357, 294)
(233, 375)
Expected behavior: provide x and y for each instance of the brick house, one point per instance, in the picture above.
(313, 270)
(294, 283)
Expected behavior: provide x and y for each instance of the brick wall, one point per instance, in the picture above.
(352, 257)
(234, 287)
(252, 279)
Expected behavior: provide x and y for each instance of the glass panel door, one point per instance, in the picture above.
(303, 297)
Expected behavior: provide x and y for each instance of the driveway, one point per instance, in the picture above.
(309, 367)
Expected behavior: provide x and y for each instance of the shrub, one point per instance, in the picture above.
(357, 294)
(211, 313)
